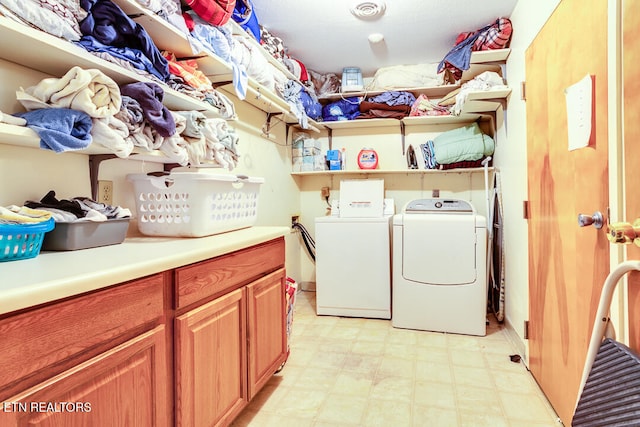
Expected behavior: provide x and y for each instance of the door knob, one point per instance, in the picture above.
(596, 220)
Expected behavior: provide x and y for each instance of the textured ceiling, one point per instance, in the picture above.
(326, 37)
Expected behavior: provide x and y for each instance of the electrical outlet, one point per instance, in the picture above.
(324, 191)
(105, 192)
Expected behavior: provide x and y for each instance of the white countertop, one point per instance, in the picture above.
(54, 275)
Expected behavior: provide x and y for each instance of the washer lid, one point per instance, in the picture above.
(439, 205)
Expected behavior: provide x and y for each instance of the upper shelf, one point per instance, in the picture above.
(485, 58)
(219, 71)
(22, 136)
(417, 120)
(165, 36)
(394, 171)
(475, 105)
(55, 56)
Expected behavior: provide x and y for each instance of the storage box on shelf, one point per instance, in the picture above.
(194, 204)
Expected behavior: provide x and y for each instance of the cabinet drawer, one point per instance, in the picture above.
(227, 272)
(35, 340)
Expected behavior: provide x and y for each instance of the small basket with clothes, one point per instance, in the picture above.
(81, 222)
(22, 231)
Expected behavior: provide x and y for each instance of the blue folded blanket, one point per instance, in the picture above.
(60, 129)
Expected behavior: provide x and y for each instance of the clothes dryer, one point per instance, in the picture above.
(439, 267)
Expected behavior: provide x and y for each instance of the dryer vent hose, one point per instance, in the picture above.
(309, 243)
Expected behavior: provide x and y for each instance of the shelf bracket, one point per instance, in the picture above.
(221, 83)
(167, 167)
(402, 135)
(330, 137)
(94, 169)
(266, 129)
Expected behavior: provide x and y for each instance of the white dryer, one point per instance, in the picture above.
(439, 267)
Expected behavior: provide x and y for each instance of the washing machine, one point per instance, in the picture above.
(353, 266)
(439, 267)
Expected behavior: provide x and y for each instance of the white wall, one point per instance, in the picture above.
(511, 159)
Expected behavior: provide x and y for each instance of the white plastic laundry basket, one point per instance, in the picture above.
(192, 204)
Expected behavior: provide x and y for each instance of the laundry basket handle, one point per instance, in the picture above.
(602, 316)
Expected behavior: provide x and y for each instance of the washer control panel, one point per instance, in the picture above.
(439, 205)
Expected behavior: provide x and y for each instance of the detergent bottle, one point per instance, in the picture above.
(367, 159)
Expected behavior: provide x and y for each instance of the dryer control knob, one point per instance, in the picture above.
(438, 205)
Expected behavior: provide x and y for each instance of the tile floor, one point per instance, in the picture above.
(345, 372)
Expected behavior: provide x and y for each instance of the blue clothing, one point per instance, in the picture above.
(219, 40)
(460, 56)
(429, 154)
(393, 98)
(343, 109)
(245, 15)
(111, 26)
(60, 129)
(134, 57)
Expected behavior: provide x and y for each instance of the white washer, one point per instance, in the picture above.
(439, 267)
(353, 266)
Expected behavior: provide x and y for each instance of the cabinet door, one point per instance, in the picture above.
(125, 386)
(267, 335)
(211, 362)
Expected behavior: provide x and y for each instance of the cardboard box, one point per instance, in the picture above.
(361, 198)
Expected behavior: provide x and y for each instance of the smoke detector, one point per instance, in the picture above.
(368, 9)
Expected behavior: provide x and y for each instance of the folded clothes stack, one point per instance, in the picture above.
(19, 215)
(76, 209)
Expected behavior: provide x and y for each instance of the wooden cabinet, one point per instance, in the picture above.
(126, 385)
(228, 347)
(189, 346)
(267, 342)
(98, 359)
(211, 356)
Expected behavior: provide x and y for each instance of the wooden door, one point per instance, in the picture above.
(211, 364)
(567, 264)
(125, 386)
(267, 335)
(631, 128)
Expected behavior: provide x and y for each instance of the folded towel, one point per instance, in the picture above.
(11, 120)
(194, 124)
(60, 129)
(150, 96)
(112, 133)
(22, 215)
(90, 91)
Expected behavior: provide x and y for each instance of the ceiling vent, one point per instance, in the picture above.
(368, 9)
